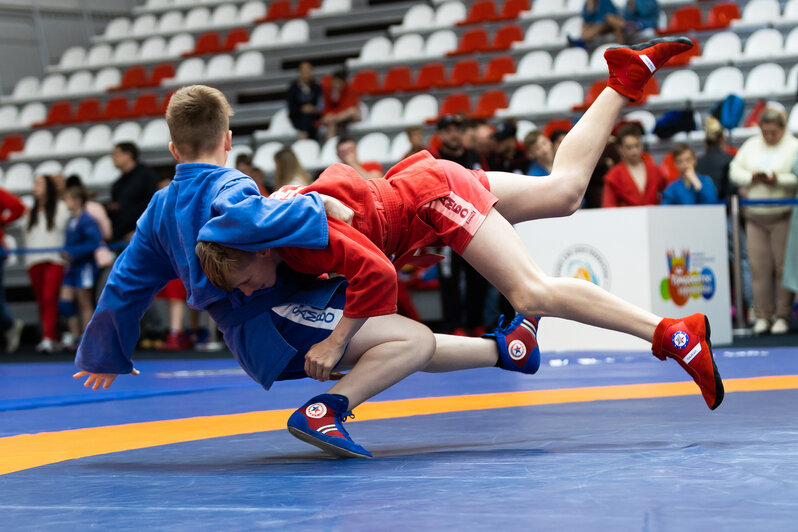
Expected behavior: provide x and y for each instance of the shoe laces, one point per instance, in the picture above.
(340, 418)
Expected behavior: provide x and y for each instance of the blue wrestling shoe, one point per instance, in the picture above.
(320, 421)
(518, 344)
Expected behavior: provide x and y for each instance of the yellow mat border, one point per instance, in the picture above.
(26, 451)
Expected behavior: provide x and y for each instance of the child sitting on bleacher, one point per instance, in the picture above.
(691, 188)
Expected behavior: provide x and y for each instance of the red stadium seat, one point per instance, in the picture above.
(591, 95)
(457, 102)
(554, 125)
(207, 43)
(668, 168)
(116, 108)
(475, 40)
(481, 11)
(279, 10)
(497, 68)
(489, 102)
(512, 8)
(59, 113)
(721, 15)
(305, 6)
(146, 105)
(234, 37)
(683, 20)
(366, 82)
(133, 78)
(166, 99)
(88, 111)
(465, 72)
(506, 36)
(161, 72)
(431, 76)
(397, 79)
(11, 144)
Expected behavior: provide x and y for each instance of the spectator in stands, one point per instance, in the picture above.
(11, 208)
(484, 143)
(454, 269)
(288, 170)
(507, 155)
(131, 193)
(691, 188)
(639, 17)
(83, 238)
(102, 256)
(304, 102)
(540, 151)
(347, 153)
(415, 134)
(245, 165)
(596, 22)
(556, 137)
(470, 134)
(636, 180)
(341, 105)
(764, 165)
(46, 228)
(716, 159)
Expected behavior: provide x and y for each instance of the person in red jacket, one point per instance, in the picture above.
(423, 201)
(11, 208)
(636, 180)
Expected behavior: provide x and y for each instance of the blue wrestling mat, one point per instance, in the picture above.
(615, 441)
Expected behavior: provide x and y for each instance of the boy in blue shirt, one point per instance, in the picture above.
(83, 237)
(690, 188)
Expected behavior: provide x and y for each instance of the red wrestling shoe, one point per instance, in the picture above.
(687, 341)
(631, 67)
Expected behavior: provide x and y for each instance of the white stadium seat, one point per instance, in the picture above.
(522, 128)
(225, 15)
(598, 65)
(27, 87)
(408, 46)
(678, 86)
(721, 82)
(106, 78)
(127, 132)
(251, 63)
(152, 49)
(571, 27)
(374, 146)
(53, 85)
(170, 22)
(400, 145)
(449, 14)
(100, 54)
(38, 143)
(548, 8)
(80, 82)
(279, 126)
(32, 113)
(332, 6)
(767, 42)
(80, 167)
(570, 61)
(180, 44)
(104, 172)
(267, 34)
(525, 100)
(564, 95)
(540, 33)
(295, 31)
(418, 17)
(190, 70)
(220, 66)
(72, 57)
(764, 80)
(440, 43)
(419, 108)
(759, 12)
(720, 47)
(384, 112)
(329, 152)
(9, 115)
(790, 13)
(97, 139)
(144, 25)
(646, 118)
(126, 52)
(197, 18)
(264, 156)
(251, 11)
(68, 140)
(307, 151)
(792, 80)
(535, 64)
(155, 135)
(18, 178)
(118, 28)
(375, 50)
(48, 168)
(792, 122)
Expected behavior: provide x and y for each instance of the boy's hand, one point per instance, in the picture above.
(322, 358)
(97, 380)
(336, 209)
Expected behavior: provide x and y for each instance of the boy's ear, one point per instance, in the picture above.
(173, 151)
(228, 141)
(264, 252)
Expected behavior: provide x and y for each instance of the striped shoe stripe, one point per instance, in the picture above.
(327, 428)
(529, 327)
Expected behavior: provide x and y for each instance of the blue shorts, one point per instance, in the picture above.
(303, 327)
(81, 276)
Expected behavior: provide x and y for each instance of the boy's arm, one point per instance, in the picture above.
(111, 335)
(708, 194)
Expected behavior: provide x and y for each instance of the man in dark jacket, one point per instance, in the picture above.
(131, 193)
(304, 101)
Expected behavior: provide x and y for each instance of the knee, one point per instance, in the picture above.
(570, 195)
(533, 298)
(421, 343)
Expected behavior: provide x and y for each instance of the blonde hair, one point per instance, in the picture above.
(198, 117)
(287, 169)
(220, 262)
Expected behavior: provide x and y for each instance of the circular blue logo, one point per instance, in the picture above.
(707, 283)
(680, 339)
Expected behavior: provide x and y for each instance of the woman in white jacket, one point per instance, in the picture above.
(764, 167)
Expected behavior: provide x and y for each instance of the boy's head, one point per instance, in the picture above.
(199, 121)
(75, 197)
(683, 157)
(346, 149)
(125, 156)
(539, 147)
(229, 269)
(630, 143)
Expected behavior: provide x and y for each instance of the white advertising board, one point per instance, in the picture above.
(669, 260)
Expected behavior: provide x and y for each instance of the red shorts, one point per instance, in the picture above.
(456, 217)
(174, 289)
